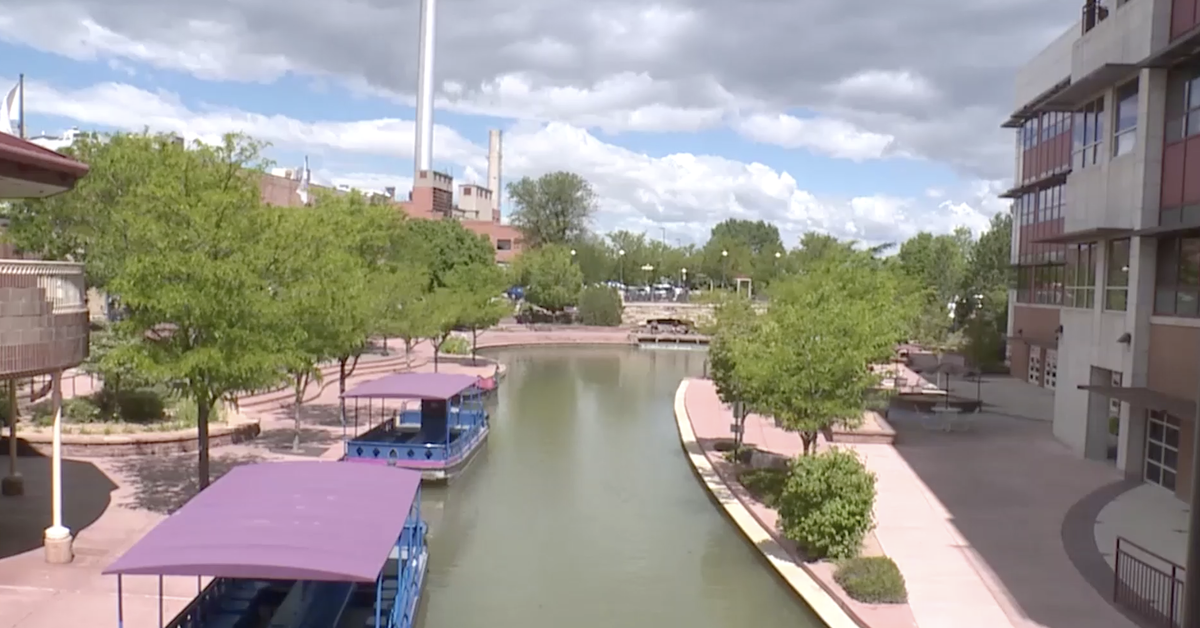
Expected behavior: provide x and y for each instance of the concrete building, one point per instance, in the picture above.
(1106, 241)
(43, 315)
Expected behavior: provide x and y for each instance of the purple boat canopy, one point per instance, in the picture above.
(325, 521)
(439, 386)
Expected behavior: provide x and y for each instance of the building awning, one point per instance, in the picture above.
(1181, 49)
(1057, 178)
(1086, 88)
(1085, 235)
(1034, 342)
(1147, 398)
(1032, 108)
(1165, 230)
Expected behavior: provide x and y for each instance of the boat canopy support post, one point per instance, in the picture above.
(160, 601)
(378, 599)
(120, 603)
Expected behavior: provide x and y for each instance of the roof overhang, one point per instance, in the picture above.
(1032, 108)
(1034, 342)
(1085, 235)
(1085, 89)
(30, 171)
(1182, 49)
(1057, 178)
(1147, 398)
(1166, 230)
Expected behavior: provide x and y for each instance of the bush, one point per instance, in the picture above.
(600, 306)
(872, 580)
(456, 345)
(143, 405)
(766, 485)
(185, 412)
(826, 504)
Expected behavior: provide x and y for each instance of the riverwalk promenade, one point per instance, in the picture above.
(109, 503)
(973, 520)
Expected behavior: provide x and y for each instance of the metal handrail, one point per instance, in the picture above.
(1153, 592)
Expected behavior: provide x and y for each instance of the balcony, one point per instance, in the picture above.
(43, 317)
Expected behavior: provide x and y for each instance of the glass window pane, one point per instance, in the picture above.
(1123, 144)
(1127, 106)
(1171, 437)
(1154, 431)
(1193, 123)
(1118, 263)
(1189, 262)
(1170, 459)
(1168, 479)
(1164, 301)
(1193, 93)
(1153, 473)
(1185, 303)
(1115, 300)
(1154, 452)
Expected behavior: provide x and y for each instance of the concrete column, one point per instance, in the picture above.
(57, 538)
(13, 484)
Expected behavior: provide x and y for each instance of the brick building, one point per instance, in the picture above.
(1106, 244)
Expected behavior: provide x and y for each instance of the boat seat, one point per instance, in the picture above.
(323, 607)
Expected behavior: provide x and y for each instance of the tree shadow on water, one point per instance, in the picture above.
(163, 484)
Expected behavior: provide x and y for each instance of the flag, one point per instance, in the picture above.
(10, 111)
(302, 191)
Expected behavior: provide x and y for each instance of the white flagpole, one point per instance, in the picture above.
(21, 102)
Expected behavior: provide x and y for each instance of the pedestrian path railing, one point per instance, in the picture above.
(1148, 584)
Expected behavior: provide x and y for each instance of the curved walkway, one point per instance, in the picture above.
(974, 519)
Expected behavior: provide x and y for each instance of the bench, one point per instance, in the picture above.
(313, 605)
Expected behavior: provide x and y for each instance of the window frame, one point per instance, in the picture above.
(1174, 294)
(1167, 424)
(1116, 279)
(1125, 138)
(1088, 134)
(1080, 281)
(1183, 104)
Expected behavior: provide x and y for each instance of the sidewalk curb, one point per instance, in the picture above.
(823, 605)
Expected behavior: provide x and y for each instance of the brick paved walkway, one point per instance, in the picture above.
(973, 520)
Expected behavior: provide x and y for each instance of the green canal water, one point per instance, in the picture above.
(582, 511)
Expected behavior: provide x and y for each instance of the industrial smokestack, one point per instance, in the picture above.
(423, 153)
(494, 156)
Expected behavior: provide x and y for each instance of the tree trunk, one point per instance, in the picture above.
(437, 348)
(408, 345)
(809, 440)
(342, 376)
(301, 385)
(203, 411)
(474, 343)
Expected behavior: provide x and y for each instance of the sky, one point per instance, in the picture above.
(863, 119)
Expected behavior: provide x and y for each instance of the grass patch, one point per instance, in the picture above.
(872, 580)
(766, 485)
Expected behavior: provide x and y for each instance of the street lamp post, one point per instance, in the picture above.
(725, 269)
(683, 273)
(621, 266)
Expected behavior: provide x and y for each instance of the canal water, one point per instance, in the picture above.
(582, 511)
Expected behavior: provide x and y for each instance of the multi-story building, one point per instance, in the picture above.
(1106, 244)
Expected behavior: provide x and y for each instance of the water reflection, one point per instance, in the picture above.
(584, 512)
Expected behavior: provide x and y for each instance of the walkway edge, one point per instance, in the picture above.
(822, 604)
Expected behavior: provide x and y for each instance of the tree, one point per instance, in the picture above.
(442, 310)
(195, 277)
(937, 265)
(441, 246)
(987, 272)
(555, 208)
(552, 280)
(733, 320)
(806, 364)
(479, 292)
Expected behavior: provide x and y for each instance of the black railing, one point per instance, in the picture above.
(1148, 584)
(1094, 12)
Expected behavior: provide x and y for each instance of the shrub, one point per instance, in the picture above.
(144, 405)
(75, 410)
(456, 345)
(872, 580)
(766, 485)
(185, 412)
(826, 504)
(600, 306)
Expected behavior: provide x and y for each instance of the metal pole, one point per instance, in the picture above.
(12, 428)
(425, 86)
(56, 530)
(1191, 586)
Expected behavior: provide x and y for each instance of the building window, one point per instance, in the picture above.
(503, 245)
(1183, 104)
(1126, 114)
(1162, 449)
(1089, 134)
(1081, 275)
(1177, 277)
(466, 191)
(1116, 280)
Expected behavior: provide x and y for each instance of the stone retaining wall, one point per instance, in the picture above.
(142, 444)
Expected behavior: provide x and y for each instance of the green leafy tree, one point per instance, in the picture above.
(734, 320)
(194, 276)
(555, 208)
(442, 309)
(937, 265)
(441, 246)
(409, 318)
(987, 272)
(480, 296)
(807, 362)
(600, 306)
(551, 278)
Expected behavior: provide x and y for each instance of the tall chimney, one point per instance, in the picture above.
(423, 153)
(494, 156)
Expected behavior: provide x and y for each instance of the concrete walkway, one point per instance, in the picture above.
(974, 521)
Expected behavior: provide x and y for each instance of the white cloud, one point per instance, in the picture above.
(821, 135)
(684, 193)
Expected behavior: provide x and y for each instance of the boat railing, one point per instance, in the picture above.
(192, 615)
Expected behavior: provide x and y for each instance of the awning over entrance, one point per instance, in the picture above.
(30, 171)
(1147, 398)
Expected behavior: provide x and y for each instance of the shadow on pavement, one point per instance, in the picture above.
(162, 484)
(86, 494)
(1007, 486)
